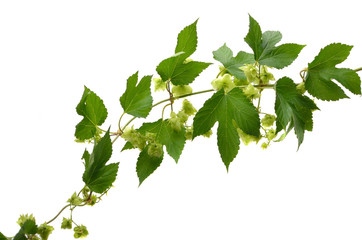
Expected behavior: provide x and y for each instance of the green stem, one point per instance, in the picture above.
(358, 69)
(119, 121)
(68, 205)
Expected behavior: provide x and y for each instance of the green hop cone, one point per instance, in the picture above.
(188, 108)
(207, 134)
(155, 150)
(226, 82)
(175, 122)
(189, 132)
(268, 120)
(251, 92)
(159, 84)
(251, 73)
(270, 134)
(85, 193)
(264, 145)
(44, 231)
(182, 116)
(134, 137)
(265, 76)
(246, 138)
(75, 200)
(180, 90)
(66, 223)
(150, 137)
(80, 231)
(25, 217)
(240, 82)
(93, 200)
(301, 88)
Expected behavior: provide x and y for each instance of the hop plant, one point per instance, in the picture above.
(66, 223)
(44, 231)
(134, 137)
(179, 90)
(188, 133)
(301, 88)
(75, 200)
(24, 217)
(268, 120)
(265, 76)
(159, 84)
(270, 134)
(226, 82)
(182, 116)
(246, 138)
(188, 108)
(155, 150)
(251, 73)
(251, 92)
(80, 231)
(175, 122)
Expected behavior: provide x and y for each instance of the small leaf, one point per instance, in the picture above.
(229, 109)
(91, 107)
(137, 100)
(185, 74)
(29, 227)
(265, 51)
(232, 64)
(2, 237)
(146, 164)
(97, 175)
(187, 40)
(293, 108)
(323, 69)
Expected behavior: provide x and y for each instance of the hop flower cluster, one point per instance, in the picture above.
(255, 75)
(226, 82)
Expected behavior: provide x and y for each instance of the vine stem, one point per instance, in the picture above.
(68, 205)
(358, 69)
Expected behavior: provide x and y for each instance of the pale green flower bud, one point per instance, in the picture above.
(240, 82)
(23, 218)
(268, 120)
(266, 76)
(301, 88)
(264, 145)
(44, 231)
(189, 133)
(179, 90)
(188, 108)
(66, 223)
(246, 138)
(226, 82)
(270, 134)
(251, 72)
(251, 92)
(75, 200)
(150, 137)
(155, 150)
(160, 85)
(207, 134)
(175, 122)
(80, 231)
(134, 137)
(182, 116)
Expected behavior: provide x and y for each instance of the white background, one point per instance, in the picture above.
(50, 49)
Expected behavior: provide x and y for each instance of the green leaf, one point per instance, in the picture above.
(97, 175)
(174, 68)
(253, 38)
(232, 64)
(178, 72)
(323, 69)
(187, 40)
(137, 100)
(29, 227)
(165, 135)
(91, 107)
(146, 164)
(231, 110)
(281, 56)
(293, 108)
(2, 237)
(265, 51)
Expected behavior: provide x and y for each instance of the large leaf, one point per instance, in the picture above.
(265, 51)
(231, 63)
(174, 68)
(293, 108)
(323, 69)
(97, 175)
(228, 109)
(147, 164)
(2, 237)
(94, 113)
(137, 100)
(29, 227)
